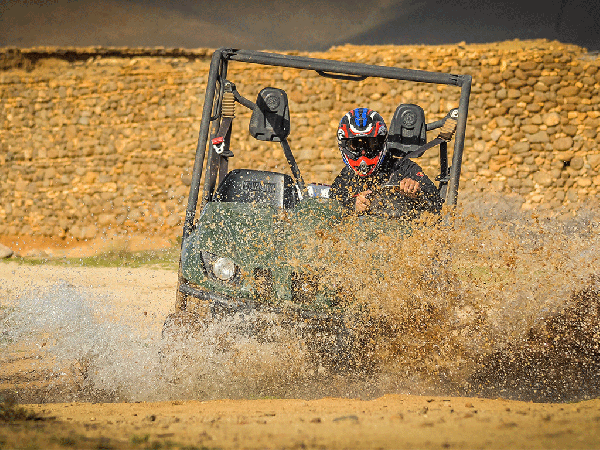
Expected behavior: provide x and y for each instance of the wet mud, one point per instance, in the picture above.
(491, 302)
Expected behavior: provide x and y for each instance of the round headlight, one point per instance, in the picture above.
(224, 269)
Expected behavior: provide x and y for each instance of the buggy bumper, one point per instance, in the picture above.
(222, 305)
(326, 336)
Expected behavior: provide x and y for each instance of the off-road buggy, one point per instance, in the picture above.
(244, 253)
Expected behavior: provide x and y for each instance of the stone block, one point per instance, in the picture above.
(520, 147)
(563, 143)
(530, 129)
(21, 185)
(584, 182)
(570, 130)
(495, 78)
(516, 83)
(544, 179)
(497, 185)
(528, 65)
(550, 80)
(503, 122)
(534, 107)
(594, 161)
(484, 157)
(495, 135)
(513, 182)
(569, 91)
(498, 111)
(173, 220)
(105, 219)
(576, 163)
(90, 177)
(508, 172)
(89, 232)
(539, 137)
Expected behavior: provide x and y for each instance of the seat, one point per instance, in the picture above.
(408, 130)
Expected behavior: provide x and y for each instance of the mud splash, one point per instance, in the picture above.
(490, 302)
(68, 344)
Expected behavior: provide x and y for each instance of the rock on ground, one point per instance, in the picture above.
(5, 252)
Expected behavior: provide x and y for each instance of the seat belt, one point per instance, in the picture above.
(228, 113)
(218, 142)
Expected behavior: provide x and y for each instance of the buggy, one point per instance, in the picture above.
(244, 251)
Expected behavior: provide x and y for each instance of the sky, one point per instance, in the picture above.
(307, 25)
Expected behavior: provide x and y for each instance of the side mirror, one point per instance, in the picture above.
(270, 119)
(407, 129)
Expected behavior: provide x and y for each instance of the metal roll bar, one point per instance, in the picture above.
(327, 68)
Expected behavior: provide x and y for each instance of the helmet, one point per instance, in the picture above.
(362, 135)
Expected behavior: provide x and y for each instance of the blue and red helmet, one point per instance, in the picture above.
(362, 136)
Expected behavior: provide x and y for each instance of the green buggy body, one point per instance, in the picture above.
(248, 240)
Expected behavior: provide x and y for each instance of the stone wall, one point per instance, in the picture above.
(101, 141)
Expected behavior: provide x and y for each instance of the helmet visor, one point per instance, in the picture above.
(364, 146)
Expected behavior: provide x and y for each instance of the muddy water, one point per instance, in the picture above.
(491, 302)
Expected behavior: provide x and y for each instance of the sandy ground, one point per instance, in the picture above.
(392, 421)
(145, 297)
(43, 246)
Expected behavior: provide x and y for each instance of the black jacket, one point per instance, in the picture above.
(347, 185)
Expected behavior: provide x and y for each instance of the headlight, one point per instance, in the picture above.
(224, 269)
(220, 267)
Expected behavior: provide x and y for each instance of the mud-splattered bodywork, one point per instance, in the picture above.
(275, 263)
(258, 241)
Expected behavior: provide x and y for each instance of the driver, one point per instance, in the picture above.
(362, 136)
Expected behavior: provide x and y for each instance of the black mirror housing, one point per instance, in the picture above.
(270, 119)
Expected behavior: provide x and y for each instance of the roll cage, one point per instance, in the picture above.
(219, 91)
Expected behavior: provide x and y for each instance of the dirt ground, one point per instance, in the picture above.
(44, 246)
(392, 421)
(145, 297)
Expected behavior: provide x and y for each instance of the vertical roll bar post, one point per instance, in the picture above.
(459, 140)
(209, 97)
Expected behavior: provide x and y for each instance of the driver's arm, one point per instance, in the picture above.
(409, 187)
(416, 185)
